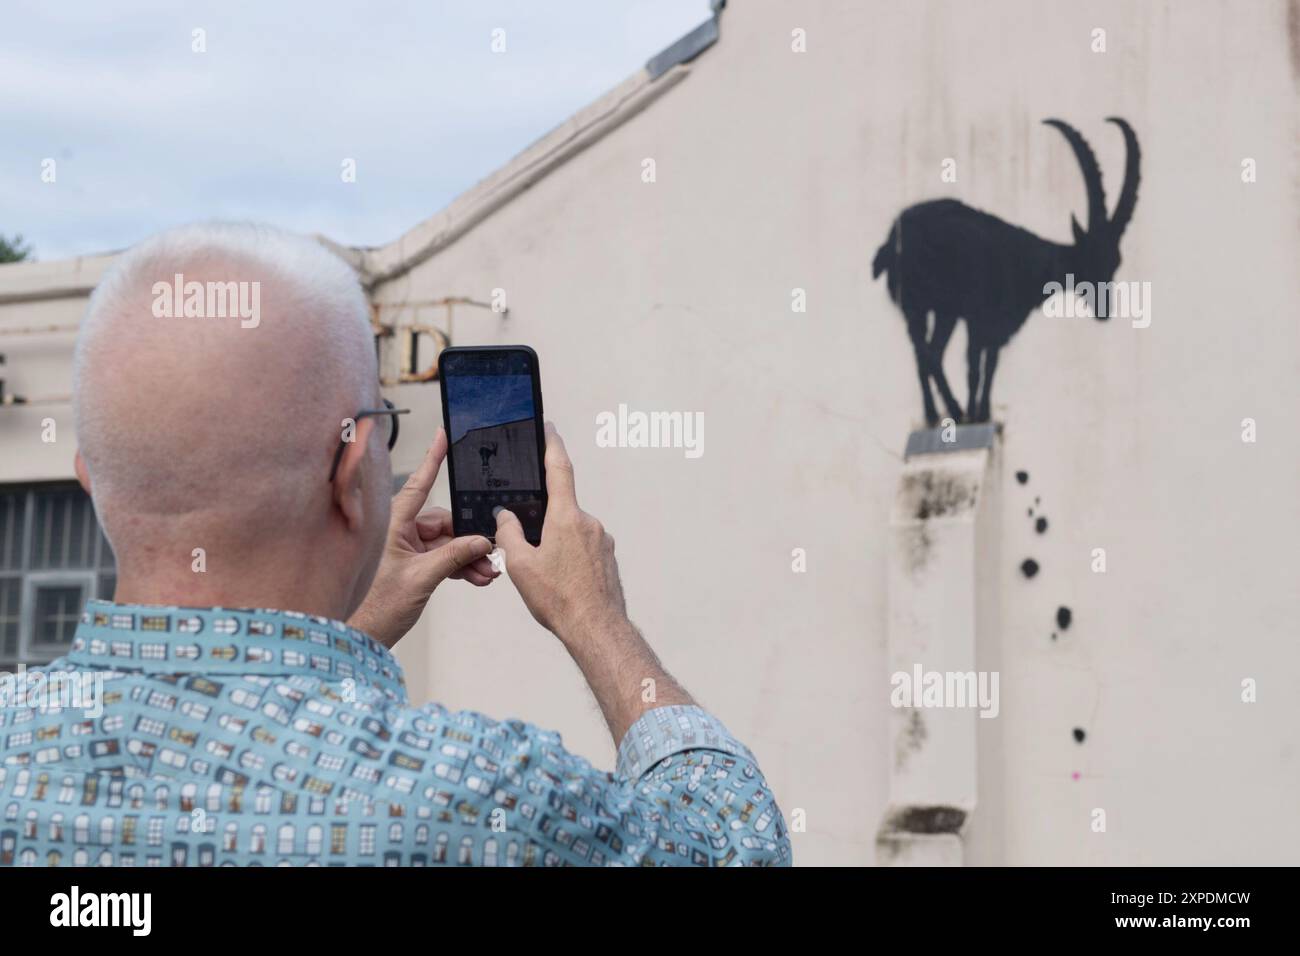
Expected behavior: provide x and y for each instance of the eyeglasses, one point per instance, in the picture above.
(389, 410)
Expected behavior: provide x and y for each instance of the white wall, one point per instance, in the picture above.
(41, 304)
(778, 170)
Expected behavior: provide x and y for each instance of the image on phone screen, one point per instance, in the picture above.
(492, 411)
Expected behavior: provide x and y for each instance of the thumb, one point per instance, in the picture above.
(453, 556)
(510, 534)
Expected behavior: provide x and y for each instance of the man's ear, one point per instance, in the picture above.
(349, 488)
(83, 475)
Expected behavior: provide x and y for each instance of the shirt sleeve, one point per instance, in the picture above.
(685, 792)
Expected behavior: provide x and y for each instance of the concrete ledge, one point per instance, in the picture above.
(937, 441)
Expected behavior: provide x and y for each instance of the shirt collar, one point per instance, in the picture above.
(217, 640)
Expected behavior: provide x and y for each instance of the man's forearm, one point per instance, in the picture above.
(622, 671)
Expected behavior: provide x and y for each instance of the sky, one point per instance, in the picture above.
(146, 133)
(479, 400)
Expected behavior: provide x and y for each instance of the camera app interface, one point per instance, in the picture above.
(494, 442)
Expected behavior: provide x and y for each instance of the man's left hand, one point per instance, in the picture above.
(419, 555)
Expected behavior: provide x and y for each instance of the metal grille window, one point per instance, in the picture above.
(53, 557)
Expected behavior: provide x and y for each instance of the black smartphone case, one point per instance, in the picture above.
(533, 535)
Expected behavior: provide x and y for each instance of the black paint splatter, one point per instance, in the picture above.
(1079, 735)
(1029, 567)
(1063, 617)
(1022, 476)
(1040, 525)
(1031, 512)
(1038, 501)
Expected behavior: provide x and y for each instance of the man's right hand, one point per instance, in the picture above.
(570, 582)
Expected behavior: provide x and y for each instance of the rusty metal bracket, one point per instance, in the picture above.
(411, 371)
(407, 335)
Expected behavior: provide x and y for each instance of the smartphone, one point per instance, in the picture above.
(492, 411)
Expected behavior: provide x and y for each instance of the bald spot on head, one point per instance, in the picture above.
(199, 425)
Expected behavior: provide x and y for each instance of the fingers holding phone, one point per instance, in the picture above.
(561, 489)
(569, 582)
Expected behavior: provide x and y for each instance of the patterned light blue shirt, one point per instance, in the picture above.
(214, 736)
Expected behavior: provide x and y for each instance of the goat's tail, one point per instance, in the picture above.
(884, 257)
(886, 260)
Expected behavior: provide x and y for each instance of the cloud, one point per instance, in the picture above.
(147, 133)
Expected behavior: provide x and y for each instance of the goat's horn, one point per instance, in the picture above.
(1128, 193)
(1091, 173)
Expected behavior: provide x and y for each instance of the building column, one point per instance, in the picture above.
(945, 761)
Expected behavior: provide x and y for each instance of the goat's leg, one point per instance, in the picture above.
(990, 366)
(974, 350)
(943, 326)
(916, 332)
(923, 372)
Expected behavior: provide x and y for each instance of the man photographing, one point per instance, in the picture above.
(285, 735)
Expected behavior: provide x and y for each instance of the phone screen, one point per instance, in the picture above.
(492, 411)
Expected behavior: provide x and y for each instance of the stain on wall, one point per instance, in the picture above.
(929, 495)
(910, 739)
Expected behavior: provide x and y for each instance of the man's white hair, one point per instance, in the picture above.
(180, 417)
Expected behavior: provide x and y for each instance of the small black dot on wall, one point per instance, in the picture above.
(1022, 476)
(1029, 567)
(1079, 734)
(1040, 525)
(1063, 617)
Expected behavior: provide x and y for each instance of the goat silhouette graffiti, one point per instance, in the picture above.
(945, 259)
